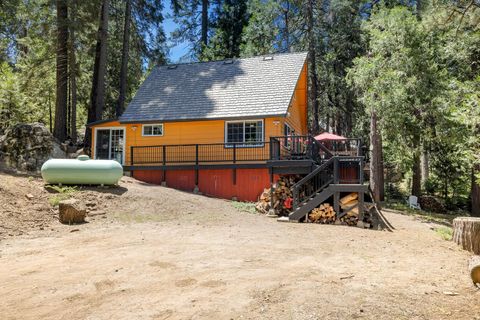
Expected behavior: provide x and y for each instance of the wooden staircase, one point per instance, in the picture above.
(323, 179)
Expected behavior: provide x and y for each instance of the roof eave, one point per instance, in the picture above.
(205, 119)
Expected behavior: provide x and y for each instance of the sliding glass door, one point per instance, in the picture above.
(110, 144)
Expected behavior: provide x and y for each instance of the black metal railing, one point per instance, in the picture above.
(344, 147)
(314, 182)
(200, 153)
(278, 148)
(298, 148)
(330, 171)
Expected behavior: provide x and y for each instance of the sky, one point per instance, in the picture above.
(176, 52)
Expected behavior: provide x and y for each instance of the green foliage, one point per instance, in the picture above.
(232, 17)
(28, 46)
(63, 193)
(248, 207)
(260, 35)
(446, 233)
(418, 76)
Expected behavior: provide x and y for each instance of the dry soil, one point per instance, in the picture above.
(150, 252)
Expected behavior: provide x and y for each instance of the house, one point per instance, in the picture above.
(223, 128)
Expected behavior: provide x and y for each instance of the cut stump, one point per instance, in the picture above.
(466, 232)
(474, 268)
(71, 211)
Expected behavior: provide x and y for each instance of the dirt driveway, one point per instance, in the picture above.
(153, 257)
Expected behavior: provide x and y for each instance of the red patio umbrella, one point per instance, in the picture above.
(329, 136)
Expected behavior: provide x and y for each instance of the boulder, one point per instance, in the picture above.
(25, 147)
(71, 211)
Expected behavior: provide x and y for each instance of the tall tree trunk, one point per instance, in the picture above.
(312, 68)
(204, 38)
(425, 165)
(124, 63)
(475, 193)
(60, 127)
(97, 100)
(417, 174)
(376, 155)
(381, 168)
(286, 33)
(73, 75)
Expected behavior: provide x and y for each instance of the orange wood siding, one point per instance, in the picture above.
(192, 132)
(297, 119)
(213, 131)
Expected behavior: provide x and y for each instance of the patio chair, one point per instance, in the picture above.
(413, 202)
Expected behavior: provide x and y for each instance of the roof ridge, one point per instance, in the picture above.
(234, 59)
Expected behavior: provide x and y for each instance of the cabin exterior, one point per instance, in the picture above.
(207, 126)
(228, 129)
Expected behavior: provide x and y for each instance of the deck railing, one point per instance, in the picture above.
(200, 153)
(278, 148)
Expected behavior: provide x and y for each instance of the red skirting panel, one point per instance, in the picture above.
(150, 176)
(213, 182)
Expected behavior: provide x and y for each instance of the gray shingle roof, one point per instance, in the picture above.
(215, 90)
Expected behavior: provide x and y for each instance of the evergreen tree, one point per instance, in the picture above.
(231, 18)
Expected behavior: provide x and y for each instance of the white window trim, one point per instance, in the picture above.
(292, 132)
(153, 135)
(110, 128)
(239, 144)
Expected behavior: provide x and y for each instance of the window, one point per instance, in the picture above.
(248, 132)
(287, 131)
(152, 130)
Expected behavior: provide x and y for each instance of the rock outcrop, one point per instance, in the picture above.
(25, 147)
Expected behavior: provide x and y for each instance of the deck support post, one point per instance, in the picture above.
(361, 206)
(272, 211)
(336, 202)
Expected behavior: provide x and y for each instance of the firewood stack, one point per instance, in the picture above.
(351, 218)
(281, 193)
(323, 214)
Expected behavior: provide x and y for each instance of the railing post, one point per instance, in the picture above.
(335, 170)
(164, 155)
(234, 152)
(271, 149)
(360, 173)
(196, 154)
(131, 155)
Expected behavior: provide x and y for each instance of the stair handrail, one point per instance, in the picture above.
(295, 188)
(321, 146)
(313, 173)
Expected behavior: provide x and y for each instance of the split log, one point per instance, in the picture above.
(348, 198)
(323, 214)
(474, 268)
(466, 232)
(282, 197)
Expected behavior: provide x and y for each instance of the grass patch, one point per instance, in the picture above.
(446, 233)
(248, 207)
(440, 218)
(63, 193)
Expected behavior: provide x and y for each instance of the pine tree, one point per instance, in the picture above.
(60, 129)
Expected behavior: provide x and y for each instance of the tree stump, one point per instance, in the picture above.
(466, 232)
(474, 268)
(71, 211)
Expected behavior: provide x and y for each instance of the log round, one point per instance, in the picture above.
(466, 232)
(474, 268)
